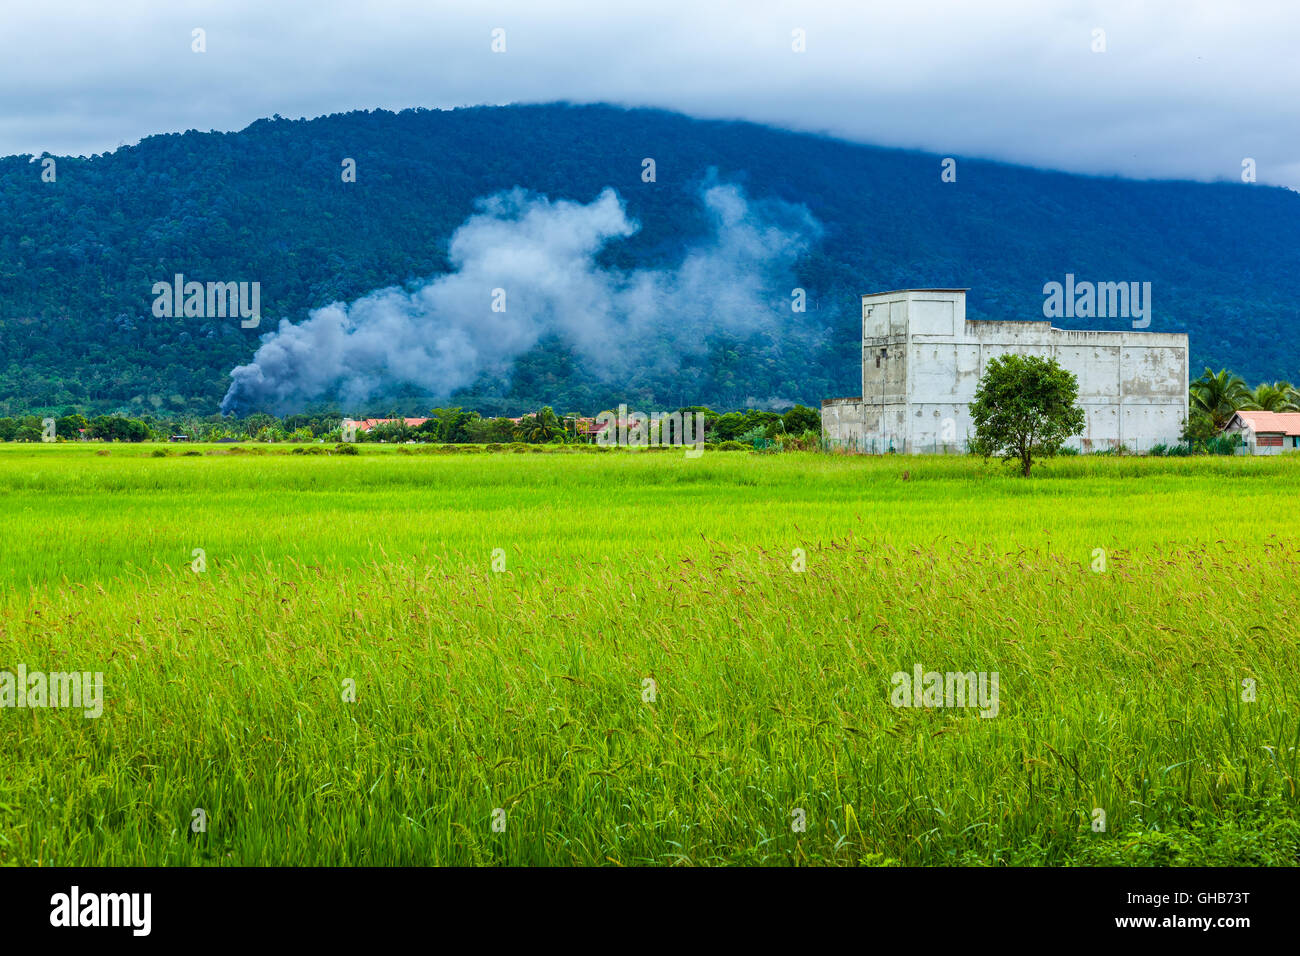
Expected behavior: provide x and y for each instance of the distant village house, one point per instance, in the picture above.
(365, 424)
(1266, 433)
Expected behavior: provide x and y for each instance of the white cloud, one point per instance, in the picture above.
(1186, 88)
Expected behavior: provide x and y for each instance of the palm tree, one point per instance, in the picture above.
(1218, 395)
(543, 426)
(1274, 397)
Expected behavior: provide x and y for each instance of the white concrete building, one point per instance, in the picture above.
(922, 360)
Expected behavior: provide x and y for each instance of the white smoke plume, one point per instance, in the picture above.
(444, 334)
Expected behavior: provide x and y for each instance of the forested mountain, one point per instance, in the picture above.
(79, 256)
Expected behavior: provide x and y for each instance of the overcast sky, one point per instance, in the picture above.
(1183, 89)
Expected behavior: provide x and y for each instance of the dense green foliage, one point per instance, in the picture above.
(443, 426)
(1212, 400)
(525, 688)
(78, 257)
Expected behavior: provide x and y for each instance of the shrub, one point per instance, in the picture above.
(345, 448)
(731, 446)
(1223, 445)
(805, 441)
(1113, 451)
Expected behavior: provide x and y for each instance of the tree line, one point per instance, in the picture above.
(443, 426)
(1213, 398)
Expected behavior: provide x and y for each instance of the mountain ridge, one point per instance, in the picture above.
(79, 256)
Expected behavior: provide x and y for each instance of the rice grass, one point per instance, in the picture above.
(528, 690)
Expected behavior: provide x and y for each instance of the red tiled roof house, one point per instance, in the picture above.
(1266, 433)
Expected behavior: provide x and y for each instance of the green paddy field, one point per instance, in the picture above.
(633, 658)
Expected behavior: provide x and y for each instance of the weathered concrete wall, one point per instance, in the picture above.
(922, 361)
(842, 423)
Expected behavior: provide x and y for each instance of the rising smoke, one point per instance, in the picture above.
(541, 256)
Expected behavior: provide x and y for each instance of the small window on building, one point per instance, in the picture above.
(1269, 441)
